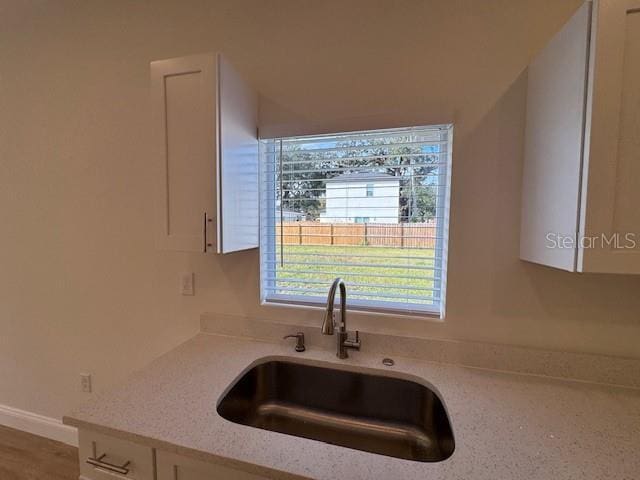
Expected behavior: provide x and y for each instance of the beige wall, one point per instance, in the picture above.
(81, 286)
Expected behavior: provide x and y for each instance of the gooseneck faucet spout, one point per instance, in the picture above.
(328, 323)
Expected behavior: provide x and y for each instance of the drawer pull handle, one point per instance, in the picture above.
(101, 463)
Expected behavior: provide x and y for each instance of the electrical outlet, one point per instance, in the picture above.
(186, 283)
(85, 382)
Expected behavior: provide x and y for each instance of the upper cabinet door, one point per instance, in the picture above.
(610, 204)
(556, 94)
(581, 176)
(184, 107)
(238, 168)
(206, 146)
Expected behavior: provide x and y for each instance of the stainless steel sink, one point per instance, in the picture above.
(378, 414)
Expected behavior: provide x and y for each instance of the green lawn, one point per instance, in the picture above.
(365, 269)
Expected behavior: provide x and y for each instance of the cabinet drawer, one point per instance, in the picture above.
(107, 458)
(176, 467)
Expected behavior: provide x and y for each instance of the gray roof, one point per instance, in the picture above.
(362, 177)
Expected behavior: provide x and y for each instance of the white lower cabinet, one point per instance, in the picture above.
(107, 458)
(176, 467)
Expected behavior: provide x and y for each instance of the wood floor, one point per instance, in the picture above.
(27, 457)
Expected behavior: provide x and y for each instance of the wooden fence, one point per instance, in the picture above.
(410, 235)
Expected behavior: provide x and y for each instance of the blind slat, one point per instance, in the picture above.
(351, 148)
(299, 199)
(344, 235)
(340, 255)
(351, 284)
(362, 265)
(373, 169)
(397, 156)
(354, 292)
(429, 133)
(270, 188)
(338, 272)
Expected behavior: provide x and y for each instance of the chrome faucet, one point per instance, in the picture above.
(329, 322)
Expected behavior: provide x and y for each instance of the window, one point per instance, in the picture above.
(390, 248)
(369, 189)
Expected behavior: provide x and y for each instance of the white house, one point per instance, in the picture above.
(362, 198)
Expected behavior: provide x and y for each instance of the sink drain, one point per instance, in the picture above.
(388, 362)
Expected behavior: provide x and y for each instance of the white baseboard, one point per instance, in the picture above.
(38, 425)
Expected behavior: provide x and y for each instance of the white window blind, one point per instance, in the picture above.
(370, 207)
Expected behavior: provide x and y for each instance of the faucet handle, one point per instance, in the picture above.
(354, 344)
(299, 341)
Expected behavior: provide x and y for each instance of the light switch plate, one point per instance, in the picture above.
(186, 283)
(85, 382)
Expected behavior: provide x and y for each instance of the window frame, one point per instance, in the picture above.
(268, 203)
(369, 187)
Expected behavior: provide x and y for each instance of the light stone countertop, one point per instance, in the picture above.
(506, 426)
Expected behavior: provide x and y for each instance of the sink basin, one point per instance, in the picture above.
(384, 415)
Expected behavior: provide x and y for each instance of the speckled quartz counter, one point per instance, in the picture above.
(506, 426)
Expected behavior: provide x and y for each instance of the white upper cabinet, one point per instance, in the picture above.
(238, 168)
(553, 145)
(206, 148)
(581, 177)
